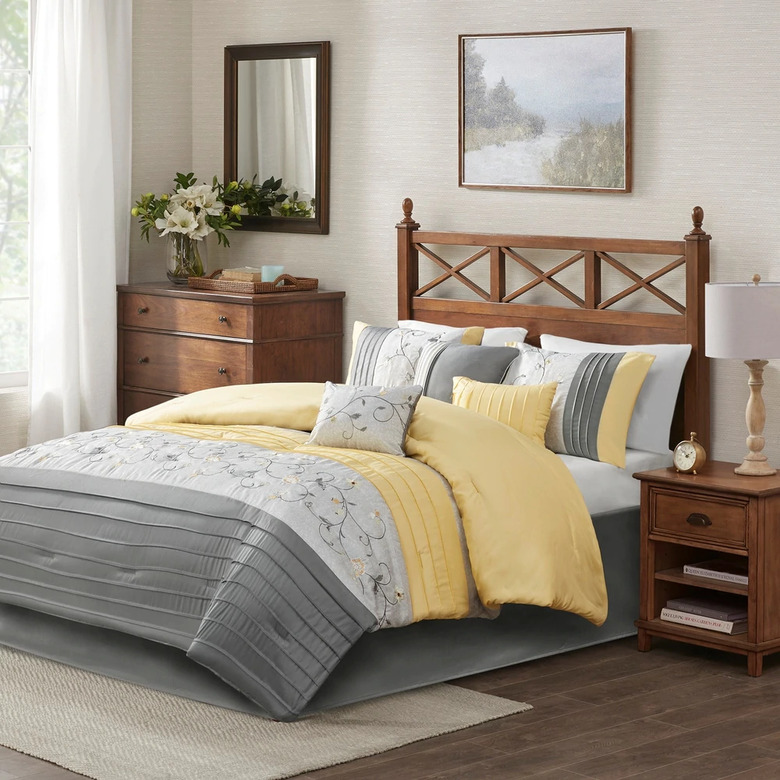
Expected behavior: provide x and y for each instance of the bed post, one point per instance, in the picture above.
(696, 400)
(408, 257)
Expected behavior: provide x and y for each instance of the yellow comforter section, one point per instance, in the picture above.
(529, 535)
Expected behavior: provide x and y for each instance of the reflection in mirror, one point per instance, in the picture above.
(276, 123)
(276, 127)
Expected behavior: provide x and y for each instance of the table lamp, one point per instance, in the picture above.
(742, 320)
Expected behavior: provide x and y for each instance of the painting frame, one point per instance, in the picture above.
(541, 138)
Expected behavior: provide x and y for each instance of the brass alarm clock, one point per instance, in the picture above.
(689, 455)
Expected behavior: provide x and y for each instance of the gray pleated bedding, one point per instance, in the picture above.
(94, 528)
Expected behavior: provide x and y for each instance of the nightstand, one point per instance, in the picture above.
(176, 340)
(716, 514)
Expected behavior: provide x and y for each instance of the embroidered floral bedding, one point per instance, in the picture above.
(208, 523)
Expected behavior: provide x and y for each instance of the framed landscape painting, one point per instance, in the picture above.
(546, 111)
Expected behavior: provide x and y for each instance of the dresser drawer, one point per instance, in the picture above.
(137, 400)
(181, 364)
(719, 520)
(156, 312)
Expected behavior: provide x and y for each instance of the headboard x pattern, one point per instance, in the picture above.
(587, 316)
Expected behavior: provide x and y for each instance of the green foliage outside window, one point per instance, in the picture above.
(14, 160)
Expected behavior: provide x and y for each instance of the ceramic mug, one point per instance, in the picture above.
(268, 273)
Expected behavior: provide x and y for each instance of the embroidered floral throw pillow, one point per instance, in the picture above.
(365, 417)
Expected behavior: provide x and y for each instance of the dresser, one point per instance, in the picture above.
(708, 520)
(177, 340)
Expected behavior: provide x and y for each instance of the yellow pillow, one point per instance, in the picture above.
(526, 408)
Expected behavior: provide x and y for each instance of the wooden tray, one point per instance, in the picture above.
(283, 283)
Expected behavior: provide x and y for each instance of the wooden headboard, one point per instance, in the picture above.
(587, 317)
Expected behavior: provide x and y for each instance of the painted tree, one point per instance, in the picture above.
(492, 116)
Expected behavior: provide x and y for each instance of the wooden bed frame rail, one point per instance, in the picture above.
(588, 317)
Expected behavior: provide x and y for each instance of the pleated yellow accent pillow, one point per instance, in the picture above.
(526, 408)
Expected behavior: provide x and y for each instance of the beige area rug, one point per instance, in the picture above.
(111, 730)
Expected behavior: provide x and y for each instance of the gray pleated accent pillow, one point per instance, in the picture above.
(361, 417)
(440, 363)
(585, 405)
(388, 356)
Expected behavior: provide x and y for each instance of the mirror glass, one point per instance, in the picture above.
(276, 131)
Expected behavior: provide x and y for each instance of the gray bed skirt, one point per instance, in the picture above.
(382, 662)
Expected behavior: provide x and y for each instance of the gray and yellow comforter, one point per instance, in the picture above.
(208, 524)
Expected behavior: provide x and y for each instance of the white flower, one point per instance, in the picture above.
(192, 197)
(202, 228)
(211, 203)
(180, 220)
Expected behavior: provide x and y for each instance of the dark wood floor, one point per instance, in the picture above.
(606, 713)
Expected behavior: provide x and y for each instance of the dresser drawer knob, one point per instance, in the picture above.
(222, 370)
(143, 309)
(698, 519)
(143, 359)
(222, 318)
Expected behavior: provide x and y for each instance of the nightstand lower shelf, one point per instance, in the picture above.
(731, 643)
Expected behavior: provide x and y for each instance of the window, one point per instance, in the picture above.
(14, 167)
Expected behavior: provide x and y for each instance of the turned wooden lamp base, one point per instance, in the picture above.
(755, 467)
(755, 463)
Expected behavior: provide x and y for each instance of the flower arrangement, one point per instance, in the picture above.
(193, 211)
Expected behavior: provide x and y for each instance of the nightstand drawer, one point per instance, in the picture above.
(180, 364)
(722, 520)
(210, 318)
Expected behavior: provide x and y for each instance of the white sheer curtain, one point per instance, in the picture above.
(80, 122)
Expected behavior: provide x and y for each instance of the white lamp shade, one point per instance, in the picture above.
(742, 320)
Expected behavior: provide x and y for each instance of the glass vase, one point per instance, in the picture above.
(185, 257)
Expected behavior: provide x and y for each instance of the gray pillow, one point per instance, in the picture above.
(440, 363)
(363, 417)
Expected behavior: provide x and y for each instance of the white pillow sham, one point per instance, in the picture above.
(492, 337)
(651, 421)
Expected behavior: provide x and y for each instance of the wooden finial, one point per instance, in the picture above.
(756, 279)
(407, 206)
(697, 215)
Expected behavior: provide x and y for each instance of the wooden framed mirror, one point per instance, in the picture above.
(276, 127)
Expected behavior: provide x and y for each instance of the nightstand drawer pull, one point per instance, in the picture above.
(698, 519)
(222, 318)
(143, 309)
(222, 370)
(143, 360)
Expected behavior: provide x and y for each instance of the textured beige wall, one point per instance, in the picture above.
(163, 127)
(705, 131)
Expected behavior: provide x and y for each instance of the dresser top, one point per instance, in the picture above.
(169, 290)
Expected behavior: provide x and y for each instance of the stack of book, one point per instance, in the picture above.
(245, 274)
(725, 570)
(716, 613)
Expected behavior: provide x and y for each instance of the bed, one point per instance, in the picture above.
(428, 651)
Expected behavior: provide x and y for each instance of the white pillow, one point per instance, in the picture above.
(652, 418)
(493, 337)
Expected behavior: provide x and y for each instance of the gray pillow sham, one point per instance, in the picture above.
(440, 363)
